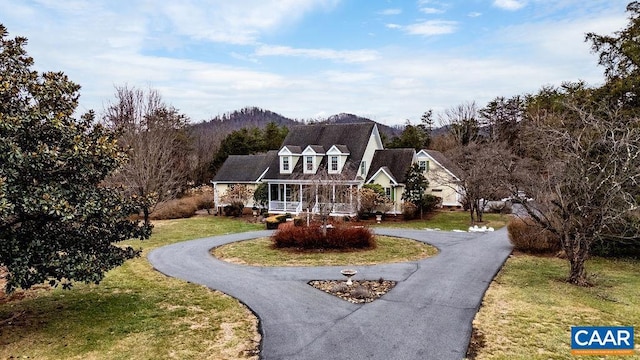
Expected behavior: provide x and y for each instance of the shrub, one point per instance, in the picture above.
(622, 240)
(274, 221)
(178, 208)
(409, 211)
(431, 202)
(234, 209)
(311, 237)
(529, 237)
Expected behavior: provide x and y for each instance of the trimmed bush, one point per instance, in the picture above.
(274, 221)
(181, 208)
(310, 237)
(529, 237)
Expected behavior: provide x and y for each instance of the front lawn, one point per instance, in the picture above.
(260, 253)
(528, 310)
(447, 221)
(135, 313)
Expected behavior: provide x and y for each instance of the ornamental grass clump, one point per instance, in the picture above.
(529, 237)
(313, 237)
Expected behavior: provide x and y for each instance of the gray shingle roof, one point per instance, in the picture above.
(446, 163)
(397, 161)
(244, 168)
(356, 136)
(317, 148)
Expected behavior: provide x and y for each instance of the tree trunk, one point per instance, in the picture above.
(479, 213)
(145, 211)
(577, 253)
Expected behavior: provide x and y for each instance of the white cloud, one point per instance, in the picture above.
(432, 27)
(510, 5)
(393, 26)
(235, 22)
(430, 10)
(349, 56)
(474, 14)
(390, 12)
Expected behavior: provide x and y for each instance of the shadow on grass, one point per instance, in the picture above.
(84, 320)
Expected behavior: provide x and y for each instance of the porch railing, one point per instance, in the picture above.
(285, 206)
(338, 208)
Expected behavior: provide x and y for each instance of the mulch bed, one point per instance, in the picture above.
(362, 291)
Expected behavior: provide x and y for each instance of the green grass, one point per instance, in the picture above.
(259, 252)
(449, 220)
(135, 313)
(529, 309)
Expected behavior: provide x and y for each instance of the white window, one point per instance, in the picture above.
(334, 163)
(363, 168)
(285, 163)
(387, 193)
(309, 163)
(423, 165)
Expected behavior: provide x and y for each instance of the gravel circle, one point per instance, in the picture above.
(362, 291)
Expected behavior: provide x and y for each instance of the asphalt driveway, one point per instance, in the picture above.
(427, 315)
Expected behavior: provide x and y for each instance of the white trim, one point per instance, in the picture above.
(309, 150)
(335, 151)
(426, 154)
(391, 178)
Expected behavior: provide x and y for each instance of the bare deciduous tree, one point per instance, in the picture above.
(462, 122)
(483, 169)
(586, 179)
(154, 134)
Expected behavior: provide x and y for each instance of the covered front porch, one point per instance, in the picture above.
(330, 199)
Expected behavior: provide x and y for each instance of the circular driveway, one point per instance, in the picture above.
(427, 315)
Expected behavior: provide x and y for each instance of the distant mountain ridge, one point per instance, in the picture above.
(256, 117)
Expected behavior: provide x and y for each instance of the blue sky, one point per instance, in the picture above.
(386, 60)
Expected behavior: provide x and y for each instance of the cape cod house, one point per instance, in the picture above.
(320, 166)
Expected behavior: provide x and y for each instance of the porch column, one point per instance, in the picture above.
(284, 198)
(299, 209)
(351, 198)
(316, 191)
(269, 192)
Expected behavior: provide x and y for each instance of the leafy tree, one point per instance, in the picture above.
(502, 118)
(155, 136)
(426, 125)
(413, 136)
(620, 55)
(58, 223)
(261, 195)
(415, 187)
(249, 141)
(273, 136)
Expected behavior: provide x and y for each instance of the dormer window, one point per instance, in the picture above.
(337, 157)
(289, 156)
(334, 163)
(312, 157)
(363, 168)
(308, 163)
